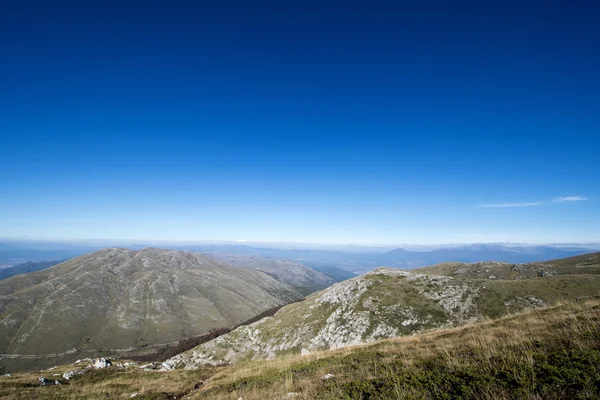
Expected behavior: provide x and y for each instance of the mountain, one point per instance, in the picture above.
(361, 262)
(389, 302)
(118, 299)
(337, 274)
(583, 264)
(286, 271)
(26, 267)
(13, 253)
(476, 252)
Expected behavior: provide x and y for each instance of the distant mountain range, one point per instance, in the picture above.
(401, 258)
(330, 262)
(29, 266)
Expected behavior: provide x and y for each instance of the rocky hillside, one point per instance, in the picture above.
(290, 272)
(583, 264)
(118, 299)
(381, 304)
(552, 353)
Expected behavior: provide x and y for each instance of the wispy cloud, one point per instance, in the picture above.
(569, 198)
(507, 205)
(536, 203)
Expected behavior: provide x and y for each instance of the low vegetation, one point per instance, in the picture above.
(551, 353)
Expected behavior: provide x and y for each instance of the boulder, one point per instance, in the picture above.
(69, 374)
(47, 382)
(102, 363)
(166, 366)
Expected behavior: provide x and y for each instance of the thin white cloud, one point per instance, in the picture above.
(507, 205)
(569, 198)
(536, 203)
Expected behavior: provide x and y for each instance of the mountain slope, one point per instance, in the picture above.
(552, 354)
(286, 271)
(583, 264)
(29, 266)
(118, 298)
(381, 304)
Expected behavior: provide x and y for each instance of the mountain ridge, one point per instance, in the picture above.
(388, 303)
(120, 298)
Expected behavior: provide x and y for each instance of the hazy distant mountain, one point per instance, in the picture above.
(26, 267)
(20, 252)
(323, 259)
(286, 271)
(402, 258)
(477, 252)
(118, 298)
(337, 274)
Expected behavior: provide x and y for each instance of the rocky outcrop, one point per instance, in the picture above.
(384, 303)
(381, 304)
(101, 363)
(69, 374)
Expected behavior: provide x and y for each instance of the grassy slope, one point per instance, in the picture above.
(403, 306)
(119, 299)
(584, 264)
(551, 354)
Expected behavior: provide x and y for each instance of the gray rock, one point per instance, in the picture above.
(69, 374)
(47, 382)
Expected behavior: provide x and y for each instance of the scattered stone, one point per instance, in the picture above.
(9, 375)
(292, 394)
(47, 382)
(304, 352)
(328, 376)
(492, 277)
(544, 273)
(166, 366)
(134, 394)
(69, 374)
(102, 363)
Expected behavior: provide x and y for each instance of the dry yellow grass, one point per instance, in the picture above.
(508, 352)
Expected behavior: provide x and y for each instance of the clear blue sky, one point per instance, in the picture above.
(324, 121)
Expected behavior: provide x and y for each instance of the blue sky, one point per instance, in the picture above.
(298, 121)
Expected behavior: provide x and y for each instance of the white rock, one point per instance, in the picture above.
(328, 376)
(102, 363)
(304, 352)
(69, 374)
